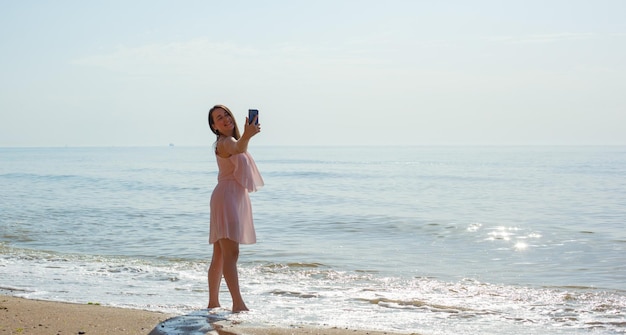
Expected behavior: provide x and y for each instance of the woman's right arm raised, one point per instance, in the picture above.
(230, 146)
(250, 129)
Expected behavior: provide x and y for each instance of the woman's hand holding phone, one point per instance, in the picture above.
(252, 126)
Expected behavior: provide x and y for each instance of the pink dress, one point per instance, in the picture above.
(231, 211)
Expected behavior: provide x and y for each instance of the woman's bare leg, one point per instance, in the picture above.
(215, 276)
(230, 255)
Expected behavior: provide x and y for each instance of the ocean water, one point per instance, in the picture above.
(435, 240)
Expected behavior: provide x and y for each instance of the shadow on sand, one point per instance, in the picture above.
(199, 322)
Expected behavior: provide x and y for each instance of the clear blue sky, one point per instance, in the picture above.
(134, 73)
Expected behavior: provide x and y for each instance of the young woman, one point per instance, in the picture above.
(231, 212)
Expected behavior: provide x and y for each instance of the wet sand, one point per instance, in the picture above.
(25, 316)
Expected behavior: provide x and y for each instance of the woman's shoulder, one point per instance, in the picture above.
(225, 146)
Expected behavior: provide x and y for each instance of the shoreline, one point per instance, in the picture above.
(29, 316)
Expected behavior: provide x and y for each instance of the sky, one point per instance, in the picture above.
(324, 72)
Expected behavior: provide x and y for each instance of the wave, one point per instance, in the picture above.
(295, 291)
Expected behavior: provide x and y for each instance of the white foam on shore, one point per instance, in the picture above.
(315, 295)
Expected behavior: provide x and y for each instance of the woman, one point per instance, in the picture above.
(231, 212)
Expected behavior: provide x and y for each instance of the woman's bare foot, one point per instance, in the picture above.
(242, 308)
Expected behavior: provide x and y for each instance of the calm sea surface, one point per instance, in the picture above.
(435, 240)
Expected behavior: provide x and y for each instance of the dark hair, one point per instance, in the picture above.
(235, 134)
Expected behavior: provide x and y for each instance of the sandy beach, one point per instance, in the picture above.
(25, 316)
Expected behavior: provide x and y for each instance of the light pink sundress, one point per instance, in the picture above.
(231, 211)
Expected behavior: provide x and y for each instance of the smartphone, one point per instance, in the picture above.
(251, 114)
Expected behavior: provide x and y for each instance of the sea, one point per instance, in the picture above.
(409, 239)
